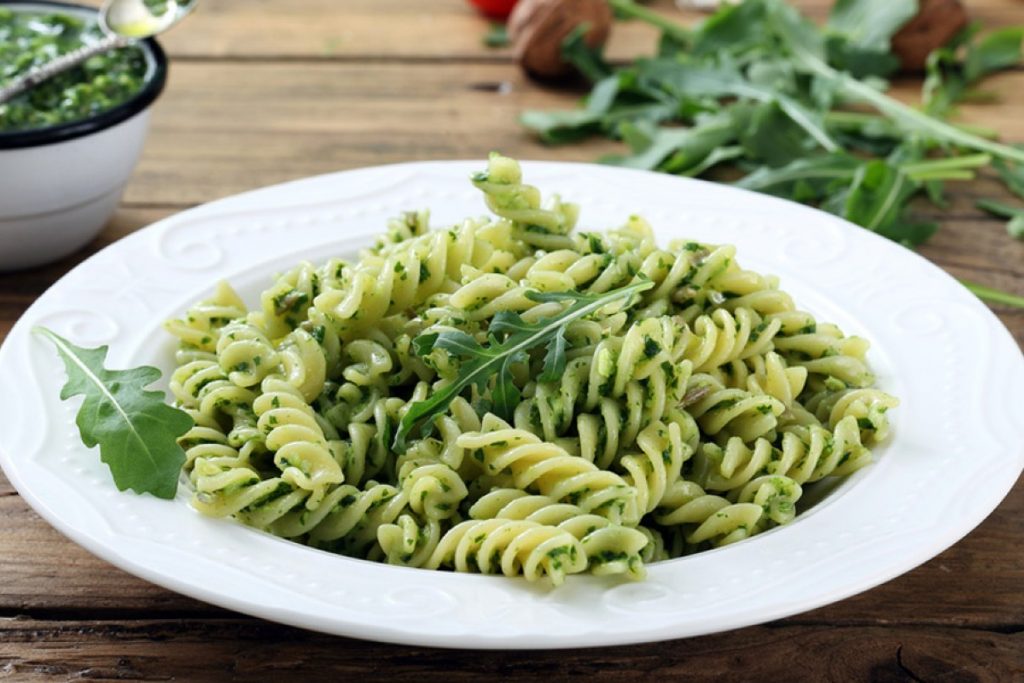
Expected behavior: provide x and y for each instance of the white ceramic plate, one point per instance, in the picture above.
(956, 452)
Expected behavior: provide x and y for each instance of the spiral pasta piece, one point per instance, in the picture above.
(433, 488)
(658, 465)
(710, 519)
(202, 323)
(511, 547)
(405, 275)
(720, 410)
(767, 374)
(286, 304)
(408, 541)
(348, 519)
(245, 353)
(609, 548)
(825, 351)
(547, 226)
(550, 470)
(297, 440)
(867, 406)
(723, 337)
(203, 385)
(642, 367)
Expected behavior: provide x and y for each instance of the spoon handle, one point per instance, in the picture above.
(60, 64)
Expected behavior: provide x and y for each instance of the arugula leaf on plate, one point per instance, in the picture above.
(136, 431)
(509, 339)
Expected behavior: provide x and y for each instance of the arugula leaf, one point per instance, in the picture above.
(870, 23)
(505, 395)
(136, 431)
(859, 34)
(998, 209)
(1015, 226)
(554, 359)
(818, 175)
(769, 135)
(686, 146)
(496, 359)
(727, 31)
(997, 51)
(949, 80)
(600, 112)
(496, 36)
(587, 60)
(1012, 176)
(877, 195)
(860, 62)
(689, 80)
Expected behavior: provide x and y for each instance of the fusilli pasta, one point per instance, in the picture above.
(690, 415)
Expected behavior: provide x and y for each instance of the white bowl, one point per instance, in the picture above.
(62, 183)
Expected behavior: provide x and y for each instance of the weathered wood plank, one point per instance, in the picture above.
(254, 650)
(976, 583)
(398, 29)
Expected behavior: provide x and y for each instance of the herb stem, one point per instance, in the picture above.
(855, 119)
(628, 8)
(901, 113)
(998, 208)
(948, 163)
(988, 294)
(923, 176)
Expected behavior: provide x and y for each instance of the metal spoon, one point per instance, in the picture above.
(124, 22)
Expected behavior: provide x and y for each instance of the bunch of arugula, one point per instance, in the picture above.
(800, 111)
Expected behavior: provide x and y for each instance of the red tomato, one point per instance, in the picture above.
(499, 9)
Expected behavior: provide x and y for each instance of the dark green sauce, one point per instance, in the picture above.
(31, 38)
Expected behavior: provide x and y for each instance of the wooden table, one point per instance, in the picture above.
(262, 92)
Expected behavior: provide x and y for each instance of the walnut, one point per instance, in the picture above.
(932, 27)
(538, 27)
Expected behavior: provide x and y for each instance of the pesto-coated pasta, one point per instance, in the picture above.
(690, 414)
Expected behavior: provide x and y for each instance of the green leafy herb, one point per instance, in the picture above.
(758, 91)
(576, 51)
(510, 338)
(1012, 176)
(1015, 224)
(136, 431)
(858, 33)
(869, 24)
(496, 36)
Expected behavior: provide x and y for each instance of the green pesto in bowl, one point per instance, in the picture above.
(29, 38)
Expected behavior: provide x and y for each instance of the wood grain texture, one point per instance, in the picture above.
(403, 30)
(264, 91)
(242, 650)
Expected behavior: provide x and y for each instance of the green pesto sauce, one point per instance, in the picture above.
(29, 39)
